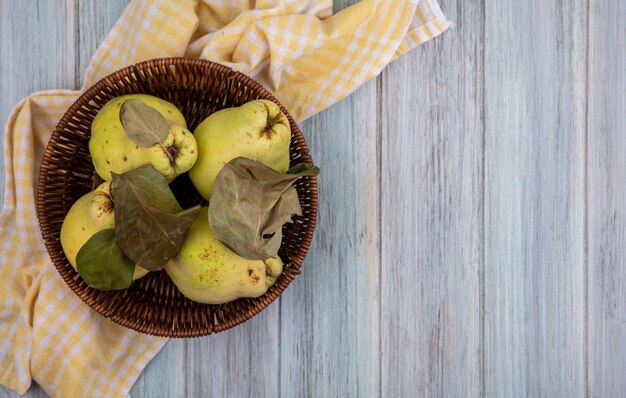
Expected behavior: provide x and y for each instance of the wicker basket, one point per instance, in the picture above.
(153, 304)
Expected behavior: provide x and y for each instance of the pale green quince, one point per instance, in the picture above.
(257, 130)
(90, 214)
(113, 151)
(207, 271)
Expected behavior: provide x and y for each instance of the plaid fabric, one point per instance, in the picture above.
(307, 57)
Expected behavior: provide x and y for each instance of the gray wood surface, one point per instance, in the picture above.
(37, 53)
(534, 275)
(471, 237)
(431, 155)
(329, 337)
(606, 192)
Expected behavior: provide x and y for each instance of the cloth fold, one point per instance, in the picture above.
(297, 49)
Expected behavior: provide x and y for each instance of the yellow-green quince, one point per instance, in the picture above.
(207, 271)
(257, 130)
(113, 151)
(90, 214)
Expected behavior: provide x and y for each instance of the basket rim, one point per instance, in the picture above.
(50, 240)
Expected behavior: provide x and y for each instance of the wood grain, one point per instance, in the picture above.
(329, 338)
(534, 272)
(607, 199)
(95, 20)
(35, 50)
(431, 208)
(329, 316)
(472, 225)
(241, 362)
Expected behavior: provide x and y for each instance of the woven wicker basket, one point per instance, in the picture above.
(153, 304)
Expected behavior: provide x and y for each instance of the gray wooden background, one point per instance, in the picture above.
(472, 228)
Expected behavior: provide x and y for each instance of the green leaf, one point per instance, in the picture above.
(143, 124)
(102, 264)
(150, 225)
(304, 169)
(250, 204)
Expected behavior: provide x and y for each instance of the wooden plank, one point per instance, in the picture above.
(165, 375)
(37, 54)
(329, 336)
(534, 272)
(431, 201)
(607, 199)
(96, 18)
(329, 315)
(241, 362)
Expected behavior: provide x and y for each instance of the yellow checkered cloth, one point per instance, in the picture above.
(306, 56)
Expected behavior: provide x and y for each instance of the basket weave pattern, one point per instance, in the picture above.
(153, 304)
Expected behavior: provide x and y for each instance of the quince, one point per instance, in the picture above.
(257, 130)
(113, 151)
(207, 271)
(90, 214)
